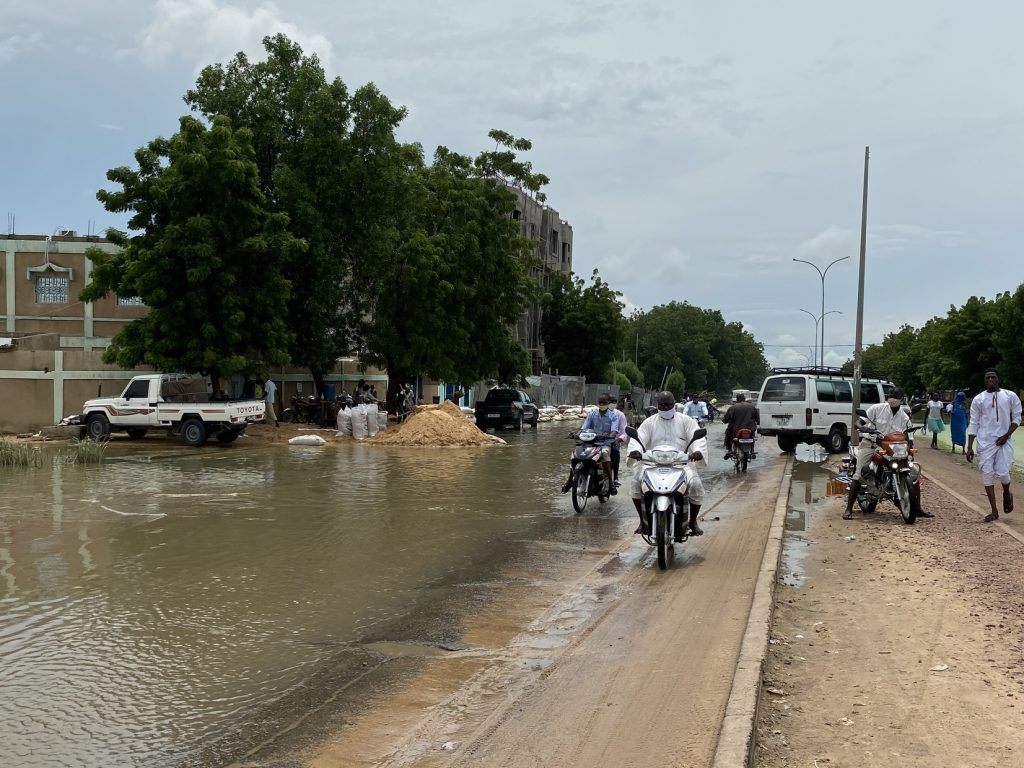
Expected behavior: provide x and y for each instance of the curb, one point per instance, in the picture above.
(970, 505)
(738, 735)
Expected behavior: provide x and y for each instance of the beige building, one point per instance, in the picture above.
(553, 253)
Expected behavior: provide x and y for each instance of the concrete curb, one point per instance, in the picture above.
(738, 736)
(970, 505)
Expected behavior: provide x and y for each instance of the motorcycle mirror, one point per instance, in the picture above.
(700, 433)
(631, 431)
(862, 412)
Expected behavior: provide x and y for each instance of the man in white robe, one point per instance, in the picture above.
(669, 427)
(995, 415)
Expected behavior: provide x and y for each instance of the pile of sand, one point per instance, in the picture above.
(443, 424)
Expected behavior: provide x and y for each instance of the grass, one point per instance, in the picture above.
(86, 451)
(19, 455)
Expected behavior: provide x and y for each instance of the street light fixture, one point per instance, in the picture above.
(817, 320)
(821, 317)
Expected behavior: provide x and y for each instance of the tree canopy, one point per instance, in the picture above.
(206, 247)
(582, 326)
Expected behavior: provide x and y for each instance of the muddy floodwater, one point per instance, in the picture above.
(181, 607)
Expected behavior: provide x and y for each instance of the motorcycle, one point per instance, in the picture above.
(665, 500)
(303, 410)
(588, 477)
(743, 449)
(890, 475)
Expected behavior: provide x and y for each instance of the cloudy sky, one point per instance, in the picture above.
(697, 148)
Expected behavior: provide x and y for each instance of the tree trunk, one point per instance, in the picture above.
(394, 383)
(318, 381)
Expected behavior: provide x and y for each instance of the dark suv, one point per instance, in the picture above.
(506, 408)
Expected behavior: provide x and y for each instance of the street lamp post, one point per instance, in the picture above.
(817, 319)
(821, 318)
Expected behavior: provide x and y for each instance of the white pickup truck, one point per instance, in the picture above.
(168, 401)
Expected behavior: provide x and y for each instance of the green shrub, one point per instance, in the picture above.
(86, 451)
(19, 455)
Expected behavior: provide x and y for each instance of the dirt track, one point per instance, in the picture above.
(904, 646)
(641, 678)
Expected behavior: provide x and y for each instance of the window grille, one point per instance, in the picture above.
(130, 301)
(52, 290)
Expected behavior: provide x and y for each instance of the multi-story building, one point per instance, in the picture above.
(553, 253)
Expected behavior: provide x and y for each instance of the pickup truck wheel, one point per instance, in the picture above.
(97, 427)
(136, 433)
(193, 432)
(519, 424)
(226, 436)
(536, 418)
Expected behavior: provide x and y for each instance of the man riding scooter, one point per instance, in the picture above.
(668, 427)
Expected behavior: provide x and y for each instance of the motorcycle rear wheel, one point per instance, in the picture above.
(867, 507)
(743, 461)
(580, 489)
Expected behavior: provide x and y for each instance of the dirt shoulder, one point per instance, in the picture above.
(904, 645)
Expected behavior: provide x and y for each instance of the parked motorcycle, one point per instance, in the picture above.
(588, 477)
(743, 449)
(665, 500)
(303, 410)
(890, 475)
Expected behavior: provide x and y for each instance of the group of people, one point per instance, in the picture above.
(957, 411)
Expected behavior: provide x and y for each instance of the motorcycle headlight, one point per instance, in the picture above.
(664, 457)
(894, 465)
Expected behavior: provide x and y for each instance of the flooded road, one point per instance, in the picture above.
(181, 607)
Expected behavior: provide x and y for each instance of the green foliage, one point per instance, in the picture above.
(628, 368)
(676, 383)
(625, 385)
(330, 161)
(710, 353)
(86, 451)
(206, 249)
(583, 329)
(447, 302)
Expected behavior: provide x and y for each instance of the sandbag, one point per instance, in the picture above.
(345, 421)
(382, 420)
(372, 425)
(359, 431)
(307, 440)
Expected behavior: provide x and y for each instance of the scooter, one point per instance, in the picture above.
(588, 478)
(743, 449)
(664, 488)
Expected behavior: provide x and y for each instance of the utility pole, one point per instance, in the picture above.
(860, 300)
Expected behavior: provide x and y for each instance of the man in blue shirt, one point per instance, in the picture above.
(603, 422)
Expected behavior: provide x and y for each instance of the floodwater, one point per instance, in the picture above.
(176, 608)
(808, 486)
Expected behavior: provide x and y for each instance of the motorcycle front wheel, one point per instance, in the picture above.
(903, 500)
(580, 489)
(663, 537)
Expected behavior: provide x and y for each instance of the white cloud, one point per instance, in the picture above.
(204, 31)
(16, 45)
(832, 243)
(111, 127)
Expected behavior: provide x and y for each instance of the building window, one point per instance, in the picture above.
(130, 301)
(516, 214)
(566, 250)
(52, 290)
(554, 241)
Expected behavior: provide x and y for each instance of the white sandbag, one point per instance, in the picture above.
(307, 440)
(359, 431)
(382, 420)
(372, 425)
(345, 421)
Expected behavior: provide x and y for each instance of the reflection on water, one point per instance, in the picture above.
(808, 488)
(147, 606)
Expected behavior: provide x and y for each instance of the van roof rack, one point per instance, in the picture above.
(819, 370)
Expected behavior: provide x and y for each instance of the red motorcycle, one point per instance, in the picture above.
(743, 449)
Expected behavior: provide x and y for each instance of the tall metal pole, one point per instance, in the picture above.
(815, 319)
(860, 297)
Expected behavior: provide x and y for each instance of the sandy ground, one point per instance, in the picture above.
(904, 645)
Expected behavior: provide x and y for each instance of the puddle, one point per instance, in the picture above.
(808, 488)
(400, 649)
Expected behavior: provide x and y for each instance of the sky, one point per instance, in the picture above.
(696, 148)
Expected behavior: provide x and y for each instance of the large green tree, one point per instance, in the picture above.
(582, 328)
(202, 252)
(330, 160)
(447, 300)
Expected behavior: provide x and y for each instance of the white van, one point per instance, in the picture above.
(813, 405)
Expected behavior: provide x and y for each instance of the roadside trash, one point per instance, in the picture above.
(851, 538)
(777, 691)
(939, 668)
(450, 745)
(845, 721)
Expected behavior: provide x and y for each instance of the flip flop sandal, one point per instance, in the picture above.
(848, 514)
(991, 516)
(1007, 502)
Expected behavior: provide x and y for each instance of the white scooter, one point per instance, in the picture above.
(664, 488)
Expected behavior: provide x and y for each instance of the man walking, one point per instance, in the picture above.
(269, 396)
(995, 416)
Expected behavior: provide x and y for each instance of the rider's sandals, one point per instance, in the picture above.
(991, 516)
(848, 514)
(1007, 502)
